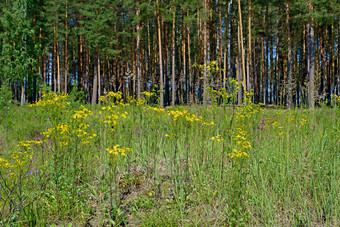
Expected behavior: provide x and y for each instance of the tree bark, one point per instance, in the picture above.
(239, 97)
(205, 54)
(191, 98)
(220, 50)
(242, 46)
(161, 101)
(184, 62)
(230, 18)
(289, 95)
(138, 54)
(311, 62)
(173, 73)
(338, 59)
(66, 48)
(266, 58)
(95, 77)
(249, 48)
(99, 77)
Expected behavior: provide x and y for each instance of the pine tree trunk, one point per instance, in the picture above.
(173, 83)
(271, 71)
(161, 101)
(266, 58)
(138, 56)
(304, 63)
(191, 92)
(249, 47)
(99, 77)
(242, 47)
(205, 54)
(184, 62)
(220, 50)
(311, 62)
(54, 52)
(289, 95)
(22, 100)
(58, 68)
(239, 49)
(80, 73)
(95, 78)
(338, 59)
(66, 48)
(230, 19)
(331, 65)
(263, 71)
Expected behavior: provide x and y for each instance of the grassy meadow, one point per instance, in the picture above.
(130, 163)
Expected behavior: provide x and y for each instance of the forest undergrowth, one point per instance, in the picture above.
(133, 163)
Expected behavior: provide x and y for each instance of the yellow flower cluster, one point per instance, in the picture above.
(217, 138)
(276, 124)
(111, 115)
(4, 163)
(156, 109)
(52, 100)
(111, 96)
(27, 143)
(209, 124)
(60, 129)
(303, 121)
(240, 133)
(20, 157)
(171, 136)
(147, 93)
(336, 98)
(212, 65)
(82, 113)
(140, 102)
(116, 152)
(221, 93)
(236, 154)
(133, 100)
(184, 114)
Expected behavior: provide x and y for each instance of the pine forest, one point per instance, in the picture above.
(169, 113)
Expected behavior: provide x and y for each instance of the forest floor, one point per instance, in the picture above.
(133, 164)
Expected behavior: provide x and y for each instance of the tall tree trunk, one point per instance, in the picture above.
(184, 79)
(205, 54)
(266, 57)
(338, 59)
(230, 18)
(95, 77)
(249, 47)
(173, 73)
(66, 48)
(191, 98)
(220, 50)
(311, 61)
(54, 57)
(161, 101)
(99, 77)
(242, 47)
(303, 63)
(58, 69)
(331, 65)
(239, 49)
(289, 95)
(271, 70)
(138, 54)
(22, 100)
(81, 63)
(263, 72)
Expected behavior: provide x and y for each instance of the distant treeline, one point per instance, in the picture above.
(287, 52)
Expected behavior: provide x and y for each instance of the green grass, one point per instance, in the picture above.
(290, 178)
